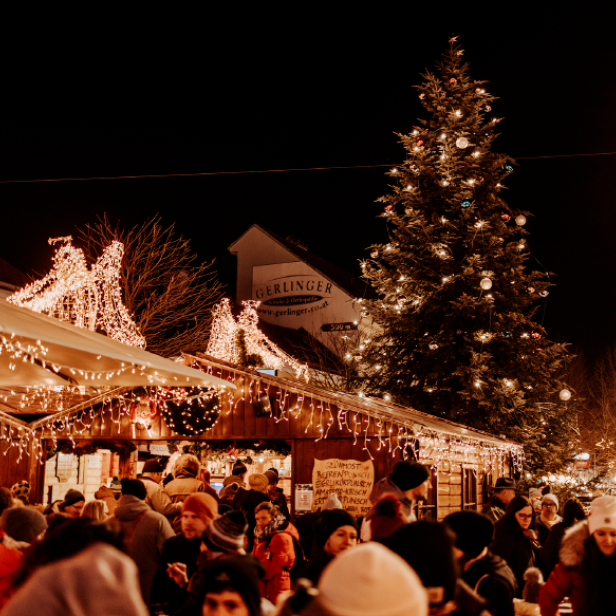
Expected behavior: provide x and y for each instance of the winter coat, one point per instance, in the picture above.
(469, 603)
(11, 557)
(493, 579)
(382, 487)
(278, 556)
(146, 537)
(98, 581)
(176, 549)
(566, 579)
(305, 527)
(515, 548)
(319, 559)
(544, 529)
(246, 501)
(230, 487)
(494, 509)
(548, 555)
(280, 500)
(159, 500)
(180, 488)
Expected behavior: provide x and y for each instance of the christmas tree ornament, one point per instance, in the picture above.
(488, 108)
(520, 220)
(433, 346)
(564, 395)
(544, 293)
(508, 168)
(419, 142)
(401, 299)
(422, 95)
(374, 253)
(485, 284)
(462, 142)
(506, 334)
(389, 207)
(465, 203)
(453, 81)
(531, 289)
(506, 217)
(535, 334)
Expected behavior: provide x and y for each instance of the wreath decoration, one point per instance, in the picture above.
(190, 411)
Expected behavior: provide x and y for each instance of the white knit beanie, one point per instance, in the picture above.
(602, 513)
(371, 580)
(331, 502)
(553, 498)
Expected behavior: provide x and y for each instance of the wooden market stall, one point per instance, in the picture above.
(327, 435)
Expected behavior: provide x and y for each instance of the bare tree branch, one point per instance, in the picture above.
(169, 293)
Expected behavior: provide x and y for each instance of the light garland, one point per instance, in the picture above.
(224, 342)
(88, 298)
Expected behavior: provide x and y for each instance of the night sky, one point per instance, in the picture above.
(162, 94)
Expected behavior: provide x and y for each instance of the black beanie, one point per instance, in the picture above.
(133, 487)
(238, 573)
(428, 548)
(409, 475)
(328, 522)
(474, 531)
(239, 468)
(71, 497)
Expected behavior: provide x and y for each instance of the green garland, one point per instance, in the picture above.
(221, 448)
(66, 446)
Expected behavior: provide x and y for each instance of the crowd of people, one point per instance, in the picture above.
(177, 547)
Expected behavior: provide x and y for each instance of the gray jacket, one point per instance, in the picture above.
(146, 537)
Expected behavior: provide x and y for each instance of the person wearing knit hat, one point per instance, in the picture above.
(334, 532)
(73, 503)
(385, 517)
(408, 482)
(227, 533)
(275, 494)
(157, 498)
(21, 490)
(331, 502)
(23, 523)
(534, 496)
(180, 554)
(233, 483)
(428, 547)
(587, 567)
(116, 487)
(487, 573)
(368, 580)
(548, 516)
(247, 500)
(232, 587)
(258, 482)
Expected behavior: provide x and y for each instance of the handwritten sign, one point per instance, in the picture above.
(351, 480)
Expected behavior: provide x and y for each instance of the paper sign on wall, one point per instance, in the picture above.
(351, 480)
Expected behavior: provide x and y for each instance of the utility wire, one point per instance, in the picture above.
(257, 171)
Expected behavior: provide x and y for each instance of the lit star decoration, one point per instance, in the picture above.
(225, 343)
(88, 298)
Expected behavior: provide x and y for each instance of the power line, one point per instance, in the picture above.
(259, 171)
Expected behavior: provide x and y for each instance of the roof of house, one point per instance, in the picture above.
(353, 285)
(11, 275)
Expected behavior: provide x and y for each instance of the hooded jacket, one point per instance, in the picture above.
(147, 532)
(159, 500)
(566, 579)
(231, 485)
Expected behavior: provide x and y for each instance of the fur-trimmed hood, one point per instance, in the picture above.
(572, 549)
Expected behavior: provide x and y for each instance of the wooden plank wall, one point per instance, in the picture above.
(13, 469)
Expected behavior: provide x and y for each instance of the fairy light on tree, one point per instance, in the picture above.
(87, 297)
(474, 329)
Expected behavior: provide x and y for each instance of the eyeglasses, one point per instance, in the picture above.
(525, 516)
(551, 505)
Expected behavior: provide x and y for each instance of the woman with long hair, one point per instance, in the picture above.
(94, 510)
(274, 548)
(587, 568)
(515, 539)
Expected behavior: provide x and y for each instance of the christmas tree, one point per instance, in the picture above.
(454, 329)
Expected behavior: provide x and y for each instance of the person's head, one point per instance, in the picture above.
(573, 512)
(519, 513)
(385, 517)
(265, 513)
(258, 482)
(412, 478)
(335, 531)
(23, 523)
(133, 487)
(272, 478)
(6, 499)
(153, 469)
(226, 533)
(204, 475)
(187, 465)
(602, 523)
(239, 469)
(549, 506)
(369, 580)
(198, 511)
(231, 587)
(504, 489)
(116, 487)
(95, 510)
(428, 547)
(474, 533)
(331, 502)
(21, 491)
(73, 503)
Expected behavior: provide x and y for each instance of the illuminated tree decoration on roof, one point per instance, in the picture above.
(241, 342)
(87, 297)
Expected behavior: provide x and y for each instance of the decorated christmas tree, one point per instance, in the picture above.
(455, 331)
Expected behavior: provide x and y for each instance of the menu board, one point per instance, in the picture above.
(350, 480)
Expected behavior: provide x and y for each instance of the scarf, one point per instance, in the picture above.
(549, 524)
(261, 534)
